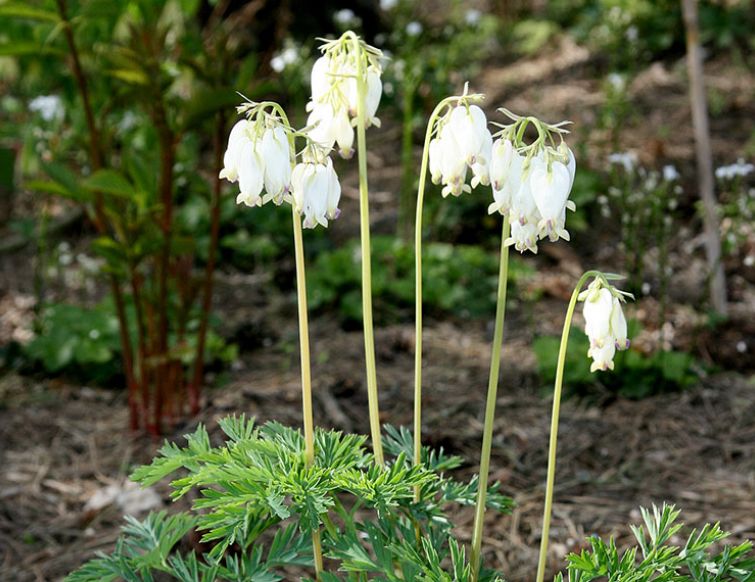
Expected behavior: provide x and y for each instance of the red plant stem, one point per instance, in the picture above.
(141, 340)
(196, 382)
(96, 158)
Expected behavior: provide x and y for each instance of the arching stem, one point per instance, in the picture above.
(550, 479)
(487, 433)
(436, 114)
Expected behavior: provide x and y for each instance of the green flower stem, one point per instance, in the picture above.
(439, 109)
(304, 352)
(306, 379)
(487, 434)
(550, 480)
(364, 220)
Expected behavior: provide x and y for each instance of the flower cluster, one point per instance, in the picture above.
(335, 92)
(738, 170)
(605, 324)
(463, 143)
(532, 182)
(260, 158)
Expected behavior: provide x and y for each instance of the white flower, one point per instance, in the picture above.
(597, 313)
(49, 107)
(329, 127)
(628, 160)
(236, 141)
(619, 325)
(670, 174)
(316, 192)
(345, 16)
(414, 28)
(505, 175)
(531, 184)
(472, 16)
(319, 78)
(602, 356)
(523, 237)
(251, 172)
(258, 156)
(550, 188)
(739, 169)
(523, 208)
(470, 129)
(463, 143)
(334, 103)
(276, 153)
(605, 324)
(287, 56)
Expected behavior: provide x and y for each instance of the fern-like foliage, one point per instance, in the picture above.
(258, 481)
(147, 548)
(658, 559)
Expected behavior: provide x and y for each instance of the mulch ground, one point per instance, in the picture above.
(62, 444)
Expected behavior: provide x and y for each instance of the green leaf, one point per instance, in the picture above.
(67, 181)
(109, 182)
(22, 49)
(130, 76)
(23, 10)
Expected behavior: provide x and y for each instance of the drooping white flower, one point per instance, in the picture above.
(605, 325)
(236, 141)
(251, 173)
(470, 129)
(335, 96)
(463, 143)
(531, 183)
(619, 325)
(505, 175)
(523, 237)
(550, 186)
(329, 127)
(597, 314)
(602, 356)
(258, 156)
(316, 192)
(276, 153)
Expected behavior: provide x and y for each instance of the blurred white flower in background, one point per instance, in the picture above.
(740, 169)
(288, 56)
(472, 16)
(670, 173)
(49, 107)
(414, 28)
(628, 160)
(346, 17)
